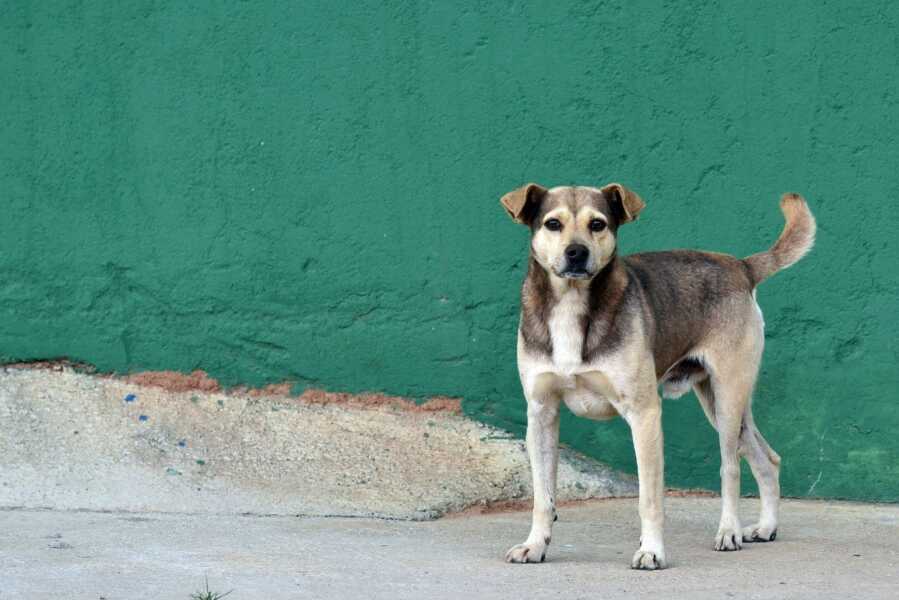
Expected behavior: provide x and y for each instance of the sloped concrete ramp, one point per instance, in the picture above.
(74, 441)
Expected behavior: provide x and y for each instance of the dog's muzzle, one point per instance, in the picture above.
(576, 258)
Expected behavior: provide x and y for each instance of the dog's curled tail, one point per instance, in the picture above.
(797, 239)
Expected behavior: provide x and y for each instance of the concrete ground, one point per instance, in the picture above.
(823, 550)
(114, 490)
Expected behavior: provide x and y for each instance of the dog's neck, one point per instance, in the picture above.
(602, 298)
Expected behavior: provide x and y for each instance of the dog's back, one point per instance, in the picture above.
(687, 294)
(690, 293)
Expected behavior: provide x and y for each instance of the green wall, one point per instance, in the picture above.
(294, 190)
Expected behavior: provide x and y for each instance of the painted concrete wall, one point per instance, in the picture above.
(299, 191)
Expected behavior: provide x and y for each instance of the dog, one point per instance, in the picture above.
(602, 333)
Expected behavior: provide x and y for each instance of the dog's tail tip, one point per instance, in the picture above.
(791, 203)
(795, 241)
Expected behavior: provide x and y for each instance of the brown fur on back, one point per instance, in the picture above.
(685, 292)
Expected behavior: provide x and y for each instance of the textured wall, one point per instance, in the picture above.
(285, 190)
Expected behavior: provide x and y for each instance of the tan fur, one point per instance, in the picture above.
(516, 202)
(796, 241)
(603, 337)
(630, 201)
(548, 246)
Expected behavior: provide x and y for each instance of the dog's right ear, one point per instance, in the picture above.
(522, 204)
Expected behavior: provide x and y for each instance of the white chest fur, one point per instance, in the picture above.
(566, 328)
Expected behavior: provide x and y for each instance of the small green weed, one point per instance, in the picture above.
(207, 595)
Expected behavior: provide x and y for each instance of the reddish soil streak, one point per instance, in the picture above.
(175, 382)
(690, 493)
(436, 404)
(525, 504)
(509, 506)
(199, 381)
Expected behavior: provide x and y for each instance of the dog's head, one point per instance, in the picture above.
(573, 229)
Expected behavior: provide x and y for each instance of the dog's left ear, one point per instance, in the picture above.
(522, 204)
(626, 202)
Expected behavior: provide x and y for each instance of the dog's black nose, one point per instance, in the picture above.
(577, 254)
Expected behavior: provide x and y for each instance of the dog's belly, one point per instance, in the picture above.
(590, 395)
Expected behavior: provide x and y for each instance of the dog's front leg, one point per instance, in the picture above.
(543, 452)
(645, 420)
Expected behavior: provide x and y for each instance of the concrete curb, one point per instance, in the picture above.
(72, 441)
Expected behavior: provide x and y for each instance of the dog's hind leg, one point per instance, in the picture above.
(762, 459)
(730, 401)
(724, 395)
(725, 399)
(765, 465)
(703, 390)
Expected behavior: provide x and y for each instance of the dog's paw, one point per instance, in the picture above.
(760, 533)
(729, 538)
(647, 560)
(526, 553)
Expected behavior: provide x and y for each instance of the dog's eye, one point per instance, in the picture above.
(553, 225)
(597, 225)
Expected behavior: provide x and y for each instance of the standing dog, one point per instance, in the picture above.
(600, 333)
